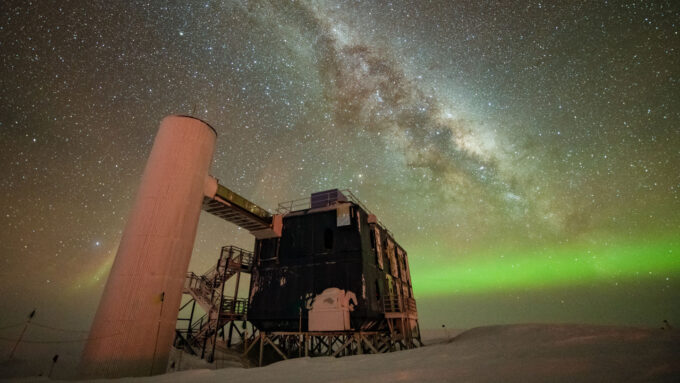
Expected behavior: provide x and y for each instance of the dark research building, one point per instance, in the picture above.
(334, 268)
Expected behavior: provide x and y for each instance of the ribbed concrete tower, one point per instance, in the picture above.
(135, 323)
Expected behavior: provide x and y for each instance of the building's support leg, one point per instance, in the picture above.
(245, 340)
(191, 317)
(306, 345)
(214, 344)
(405, 333)
(331, 340)
(263, 336)
(240, 334)
(349, 341)
(331, 343)
(357, 341)
(278, 340)
(276, 349)
(322, 344)
(231, 329)
(393, 335)
(370, 346)
(247, 349)
(205, 341)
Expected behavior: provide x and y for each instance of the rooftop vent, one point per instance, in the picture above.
(326, 198)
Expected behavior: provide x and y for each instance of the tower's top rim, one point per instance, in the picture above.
(195, 118)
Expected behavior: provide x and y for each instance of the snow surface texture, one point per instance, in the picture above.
(514, 353)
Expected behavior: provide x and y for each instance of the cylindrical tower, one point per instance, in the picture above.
(135, 323)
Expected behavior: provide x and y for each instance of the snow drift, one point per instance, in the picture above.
(509, 353)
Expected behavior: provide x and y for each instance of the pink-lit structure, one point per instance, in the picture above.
(357, 299)
(134, 326)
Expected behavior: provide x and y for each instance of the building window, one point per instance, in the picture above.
(377, 290)
(328, 239)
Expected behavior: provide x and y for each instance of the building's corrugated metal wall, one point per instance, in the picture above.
(315, 254)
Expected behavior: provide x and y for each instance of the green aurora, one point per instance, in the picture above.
(563, 265)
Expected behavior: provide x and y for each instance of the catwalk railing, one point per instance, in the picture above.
(306, 203)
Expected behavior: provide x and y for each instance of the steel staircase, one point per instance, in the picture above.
(207, 290)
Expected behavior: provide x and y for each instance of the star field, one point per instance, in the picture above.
(524, 153)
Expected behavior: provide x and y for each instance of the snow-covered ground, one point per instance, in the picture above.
(509, 353)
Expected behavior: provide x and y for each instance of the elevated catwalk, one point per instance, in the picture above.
(222, 202)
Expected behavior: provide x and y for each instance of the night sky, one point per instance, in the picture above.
(525, 154)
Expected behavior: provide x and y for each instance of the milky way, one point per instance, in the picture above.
(525, 154)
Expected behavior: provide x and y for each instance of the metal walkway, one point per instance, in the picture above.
(232, 207)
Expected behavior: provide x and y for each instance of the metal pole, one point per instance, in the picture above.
(245, 341)
(158, 330)
(191, 318)
(306, 344)
(231, 327)
(54, 361)
(219, 308)
(300, 331)
(262, 336)
(21, 336)
(205, 341)
(357, 338)
(238, 274)
(238, 279)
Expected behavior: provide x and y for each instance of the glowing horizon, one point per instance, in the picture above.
(565, 265)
